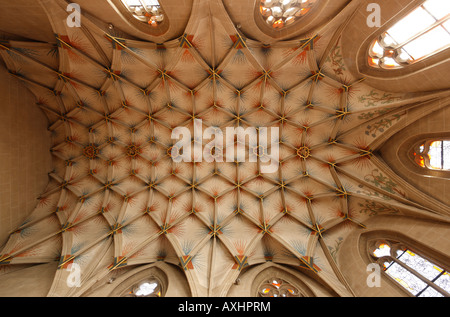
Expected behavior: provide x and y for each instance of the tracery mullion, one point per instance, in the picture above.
(382, 166)
(300, 46)
(420, 276)
(82, 54)
(424, 101)
(146, 62)
(190, 275)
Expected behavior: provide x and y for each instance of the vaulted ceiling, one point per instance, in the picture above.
(116, 198)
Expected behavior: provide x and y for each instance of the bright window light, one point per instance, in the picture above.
(281, 13)
(420, 34)
(148, 11)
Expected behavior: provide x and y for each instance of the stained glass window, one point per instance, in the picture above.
(433, 154)
(276, 287)
(147, 288)
(281, 13)
(148, 11)
(423, 32)
(416, 274)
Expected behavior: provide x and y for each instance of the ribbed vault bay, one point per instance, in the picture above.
(116, 198)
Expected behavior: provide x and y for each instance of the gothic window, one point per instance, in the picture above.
(413, 272)
(276, 287)
(146, 288)
(422, 33)
(281, 13)
(433, 154)
(148, 11)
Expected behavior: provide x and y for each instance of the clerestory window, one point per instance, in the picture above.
(422, 33)
(413, 272)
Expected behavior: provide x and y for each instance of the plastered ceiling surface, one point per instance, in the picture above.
(116, 197)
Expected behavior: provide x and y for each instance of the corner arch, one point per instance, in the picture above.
(172, 281)
(249, 281)
(126, 15)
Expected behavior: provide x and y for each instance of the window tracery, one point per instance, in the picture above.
(413, 272)
(281, 13)
(147, 11)
(422, 33)
(276, 287)
(433, 154)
